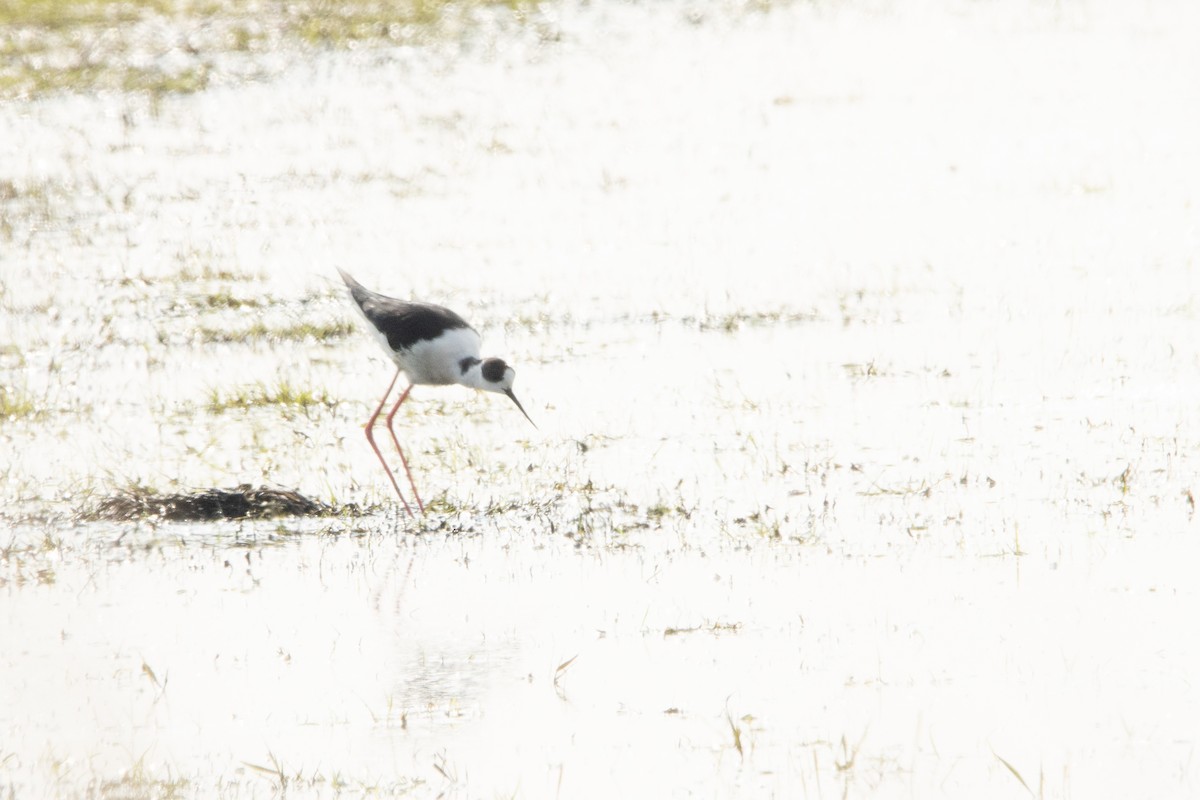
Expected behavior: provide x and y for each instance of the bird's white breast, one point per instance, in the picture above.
(437, 361)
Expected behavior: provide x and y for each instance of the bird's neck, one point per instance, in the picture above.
(473, 377)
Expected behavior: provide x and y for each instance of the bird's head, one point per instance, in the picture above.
(498, 377)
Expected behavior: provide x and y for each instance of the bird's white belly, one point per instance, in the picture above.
(437, 361)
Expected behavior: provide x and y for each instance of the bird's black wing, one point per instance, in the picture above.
(405, 323)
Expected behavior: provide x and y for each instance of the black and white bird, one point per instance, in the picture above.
(431, 345)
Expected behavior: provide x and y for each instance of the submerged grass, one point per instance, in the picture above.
(301, 331)
(240, 502)
(715, 628)
(345, 21)
(173, 46)
(283, 393)
(224, 298)
(15, 404)
(139, 782)
(209, 264)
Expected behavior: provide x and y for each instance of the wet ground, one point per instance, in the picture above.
(861, 341)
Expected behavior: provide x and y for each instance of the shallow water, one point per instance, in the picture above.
(860, 342)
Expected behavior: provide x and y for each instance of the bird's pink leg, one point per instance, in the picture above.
(403, 460)
(371, 439)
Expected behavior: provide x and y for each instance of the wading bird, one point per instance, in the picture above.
(431, 345)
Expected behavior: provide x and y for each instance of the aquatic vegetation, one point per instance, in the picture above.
(299, 331)
(240, 502)
(16, 404)
(281, 393)
(165, 47)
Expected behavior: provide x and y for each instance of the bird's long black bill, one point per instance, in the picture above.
(513, 397)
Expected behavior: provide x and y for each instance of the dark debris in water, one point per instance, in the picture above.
(240, 502)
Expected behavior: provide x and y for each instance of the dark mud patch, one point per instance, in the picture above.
(240, 502)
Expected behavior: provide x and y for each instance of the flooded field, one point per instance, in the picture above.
(861, 339)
